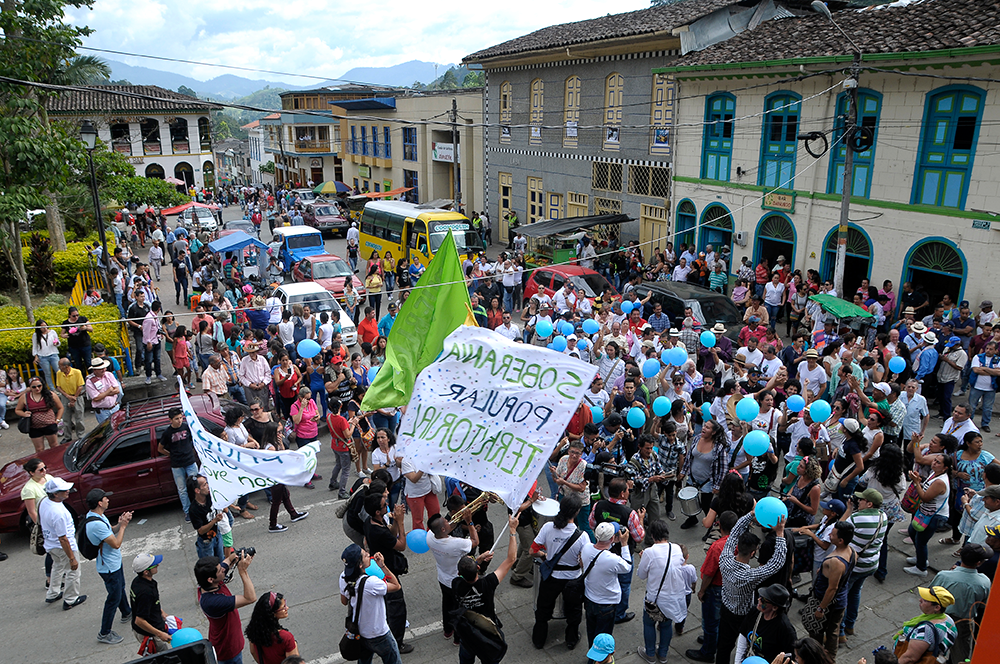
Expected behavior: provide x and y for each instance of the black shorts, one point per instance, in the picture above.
(49, 430)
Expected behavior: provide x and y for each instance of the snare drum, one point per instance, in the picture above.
(690, 504)
(545, 510)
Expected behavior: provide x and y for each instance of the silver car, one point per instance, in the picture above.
(203, 217)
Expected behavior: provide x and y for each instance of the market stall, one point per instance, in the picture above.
(554, 241)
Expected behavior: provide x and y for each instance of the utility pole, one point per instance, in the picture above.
(455, 186)
(850, 130)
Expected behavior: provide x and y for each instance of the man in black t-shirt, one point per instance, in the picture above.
(390, 541)
(476, 593)
(180, 277)
(135, 314)
(76, 330)
(175, 442)
(766, 630)
(148, 617)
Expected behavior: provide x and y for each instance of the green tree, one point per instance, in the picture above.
(185, 90)
(449, 81)
(474, 79)
(36, 155)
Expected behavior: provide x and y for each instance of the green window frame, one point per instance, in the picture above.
(949, 135)
(779, 142)
(869, 109)
(717, 144)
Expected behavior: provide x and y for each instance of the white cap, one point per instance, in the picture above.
(605, 532)
(57, 484)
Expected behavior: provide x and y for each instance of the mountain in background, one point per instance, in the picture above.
(401, 75)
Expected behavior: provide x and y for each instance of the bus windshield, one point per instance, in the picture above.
(304, 241)
(463, 235)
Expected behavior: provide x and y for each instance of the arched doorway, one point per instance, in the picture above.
(208, 168)
(858, 262)
(155, 171)
(687, 219)
(183, 171)
(775, 237)
(936, 266)
(716, 229)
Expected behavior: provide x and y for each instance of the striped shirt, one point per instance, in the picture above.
(739, 580)
(870, 528)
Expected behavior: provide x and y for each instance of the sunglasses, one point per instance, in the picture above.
(41, 469)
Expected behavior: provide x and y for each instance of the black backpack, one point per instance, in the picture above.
(88, 549)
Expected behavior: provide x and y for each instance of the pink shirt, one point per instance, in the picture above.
(306, 429)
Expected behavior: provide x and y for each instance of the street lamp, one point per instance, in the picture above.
(88, 134)
(850, 127)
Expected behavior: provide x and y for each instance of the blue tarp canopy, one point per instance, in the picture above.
(234, 242)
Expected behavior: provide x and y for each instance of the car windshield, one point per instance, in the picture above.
(325, 211)
(239, 226)
(305, 241)
(306, 195)
(316, 301)
(330, 269)
(83, 451)
(592, 284)
(715, 309)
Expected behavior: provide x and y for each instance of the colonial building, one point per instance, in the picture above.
(256, 156)
(578, 124)
(406, 141)
(924, 205)
(162, 133)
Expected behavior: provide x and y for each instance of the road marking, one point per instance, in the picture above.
(415, 633)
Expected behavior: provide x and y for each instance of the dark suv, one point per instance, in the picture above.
(118, 455)
(707, 306)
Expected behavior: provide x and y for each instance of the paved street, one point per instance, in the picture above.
(303, 563)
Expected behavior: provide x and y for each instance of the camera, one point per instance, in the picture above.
(247, 551)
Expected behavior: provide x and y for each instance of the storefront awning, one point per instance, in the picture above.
(547, 227)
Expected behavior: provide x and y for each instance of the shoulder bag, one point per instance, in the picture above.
(910, 502)
(549, 566)
(652, 608)
(832, 482)
(352, 646)
(36, 540)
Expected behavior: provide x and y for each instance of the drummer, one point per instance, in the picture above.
(535, 511)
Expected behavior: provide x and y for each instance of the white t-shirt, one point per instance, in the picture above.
(237, 435)
(813, 380)
(380, 458)
(984, 383)
(510, 333)
(800, 430)
(326, 335)
(273, 306)
(553, 539)
(771, 366)
(598, 399)
(601, 585)
(772, 293)
(447, 552)
(671, 598)
(753, 357)
(371, 622)
(56, 522)
(419, 488)
(286, 331)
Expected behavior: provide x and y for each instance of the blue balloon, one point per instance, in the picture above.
(543, 329)
(897, 365)
(747, 408)
(636, 417)
(796, 403)
(706, 411)
(819, 411)
(582, 344)
(708, 339)
(650, 367)
(591, 326)
(549, 345)
(184, 636)
(372, 372)
(626, 307)
(755, 660)
(308, 348)
(656, 450)
(566, 328)
(756, 442)
(374, 570)
(597, 413)
(678, 356)
(417, 541)
(769, 510)
(559, 344)
(661, 406)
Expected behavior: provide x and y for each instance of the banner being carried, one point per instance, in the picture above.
(489, 411)
(233, 471)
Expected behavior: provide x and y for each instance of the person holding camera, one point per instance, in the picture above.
(220, 606)
(390, 541)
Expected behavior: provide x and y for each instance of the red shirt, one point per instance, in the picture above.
(581, 418)
(746, 333)
(225, 632)
(281, 643)
(711, 565)
(368, 330)
(763, 275)
(636, 326)
(338, 425)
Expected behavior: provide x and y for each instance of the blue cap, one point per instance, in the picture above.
(952, 341)
(836, 506)
(604, 645)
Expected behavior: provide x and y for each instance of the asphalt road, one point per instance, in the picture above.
(304, 563)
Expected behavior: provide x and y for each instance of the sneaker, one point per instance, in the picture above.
(162, 378)
(53, 600)
(841, 639)
(405, 648)
(698, 656)
(83, 598)
(521, 583)
(149, 381)
(301, 516)
(911, 560)
(670, 515)
(187, 519)
(982, 428)
(111, 638)
(4, 425)
(343, 495)
(310, 485)
(915, 571)
(334, 485)
(277, 528)
(644, 657)
(127, 618)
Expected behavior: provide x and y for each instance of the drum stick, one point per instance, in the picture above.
(500, 536)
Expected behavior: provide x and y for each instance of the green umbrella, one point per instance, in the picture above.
(840, 308)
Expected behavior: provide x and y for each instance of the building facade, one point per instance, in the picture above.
(257, 157)
(924, 204)
(406, 141)
(162, 133)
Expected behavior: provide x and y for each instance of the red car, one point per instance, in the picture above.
(550, 279)
(119, 455)
(326, 217)
(328, 271)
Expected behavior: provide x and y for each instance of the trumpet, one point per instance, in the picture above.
(481, 501)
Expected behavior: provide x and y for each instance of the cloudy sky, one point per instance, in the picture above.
(317, 37)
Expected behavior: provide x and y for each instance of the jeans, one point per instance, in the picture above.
(119, 300)
(117, 599)
(212, 547)
(151, 358)
(854, 586)
(944, 398)
(883, 556)
(3, 407)
(508, 298)
(773, 310)
(844, 493)
(235, 660)
(384, 646)
(80, 358)
(553, 487)
(47, 366)
(341, 470)
(921, 539)
(548, 591)
(729, 631)
(600, 619)
(180, 286)
(987, 397)
(102, 414)
(710, 618)
(625, 581)
(649, 632)
(583, 521)
(180, 480)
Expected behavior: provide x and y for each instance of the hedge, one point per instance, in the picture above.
(67, 264)
(15, 345)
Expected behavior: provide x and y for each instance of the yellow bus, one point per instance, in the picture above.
(410, 231)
